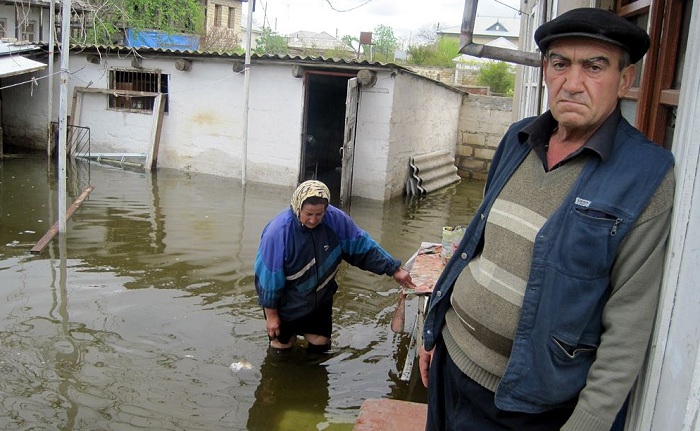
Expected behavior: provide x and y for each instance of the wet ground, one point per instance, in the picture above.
(132, 319)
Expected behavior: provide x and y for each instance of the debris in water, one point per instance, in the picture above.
(241, 365)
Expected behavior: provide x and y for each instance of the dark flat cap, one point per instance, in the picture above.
(597, 24)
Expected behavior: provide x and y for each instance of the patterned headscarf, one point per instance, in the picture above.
(306, 190)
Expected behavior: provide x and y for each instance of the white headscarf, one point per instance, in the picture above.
(306, 190)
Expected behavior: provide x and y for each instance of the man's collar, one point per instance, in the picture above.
(538, 132)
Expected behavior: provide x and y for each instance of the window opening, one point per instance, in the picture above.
(137, 81)
(218, 13)
(232, 17)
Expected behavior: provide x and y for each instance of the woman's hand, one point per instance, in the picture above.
(404, 279)
(424, 360)
(272, 323)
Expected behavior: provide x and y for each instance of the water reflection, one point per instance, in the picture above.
(131, 319)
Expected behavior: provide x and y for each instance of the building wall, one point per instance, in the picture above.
(483, 122)
(425, 119)
(223, 34)
(26, 14)
(372, 138)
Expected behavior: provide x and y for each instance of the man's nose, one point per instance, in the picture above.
(574, 80)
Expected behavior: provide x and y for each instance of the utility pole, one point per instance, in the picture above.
(63, 115)
(246, 90)
(52, 45)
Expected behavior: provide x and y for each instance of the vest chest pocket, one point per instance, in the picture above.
(588, 242)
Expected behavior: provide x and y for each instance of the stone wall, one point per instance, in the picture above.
(483, 122)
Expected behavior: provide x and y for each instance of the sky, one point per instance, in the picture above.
(350, 17)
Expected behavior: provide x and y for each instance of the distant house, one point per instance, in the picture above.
(312, 43)
(222, 24)
(30, 21)
(488, 30)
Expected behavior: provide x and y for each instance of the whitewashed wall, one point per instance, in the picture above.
(372, 138)
(425, 118)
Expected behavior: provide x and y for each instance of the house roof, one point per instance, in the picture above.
(316, 62)
(13, 63)
(310, 39)
(489, 26)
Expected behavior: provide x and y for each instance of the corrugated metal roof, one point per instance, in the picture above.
(200, 53)
(310, 61)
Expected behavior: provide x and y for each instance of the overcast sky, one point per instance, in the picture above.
(341, 17)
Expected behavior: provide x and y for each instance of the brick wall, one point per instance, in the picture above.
(483, 122)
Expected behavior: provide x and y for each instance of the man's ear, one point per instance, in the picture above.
(626, 80)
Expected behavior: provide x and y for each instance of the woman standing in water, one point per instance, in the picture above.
(298, 258)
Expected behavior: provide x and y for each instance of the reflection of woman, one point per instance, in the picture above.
(278, 406)
(299, 254)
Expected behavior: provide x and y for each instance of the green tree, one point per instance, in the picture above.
(440, 53)
(271, 43)
(498, 75)
(384, 41)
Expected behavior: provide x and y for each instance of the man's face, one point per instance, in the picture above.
(584, 82)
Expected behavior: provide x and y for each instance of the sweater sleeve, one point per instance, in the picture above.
(358, 248)
(628, 316)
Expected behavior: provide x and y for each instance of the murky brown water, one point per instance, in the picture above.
(131, 320)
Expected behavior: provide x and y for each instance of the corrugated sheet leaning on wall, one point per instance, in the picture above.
(431, 171)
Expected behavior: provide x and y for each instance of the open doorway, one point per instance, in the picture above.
(324, 125)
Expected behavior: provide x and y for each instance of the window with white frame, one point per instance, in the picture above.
(137, 80)
(28, 31)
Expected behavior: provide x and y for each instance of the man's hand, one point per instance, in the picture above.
(424, 360)
(404, 279)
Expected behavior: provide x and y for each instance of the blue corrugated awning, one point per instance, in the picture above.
(11, 65)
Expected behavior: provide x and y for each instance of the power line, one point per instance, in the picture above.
(346, 10)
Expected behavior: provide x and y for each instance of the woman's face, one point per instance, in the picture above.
(312, 215)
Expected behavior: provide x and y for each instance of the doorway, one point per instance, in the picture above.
(324, 128)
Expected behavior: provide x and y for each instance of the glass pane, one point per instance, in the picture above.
(643, 22)
(682, 44)
(670, 127)
(629, 110)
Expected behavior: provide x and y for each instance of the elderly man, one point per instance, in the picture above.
(541, 319)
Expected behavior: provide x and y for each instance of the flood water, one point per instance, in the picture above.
(132, 319)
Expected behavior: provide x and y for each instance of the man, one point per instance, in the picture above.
(541, 319)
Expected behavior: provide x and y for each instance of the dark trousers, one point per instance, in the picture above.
(458, 403)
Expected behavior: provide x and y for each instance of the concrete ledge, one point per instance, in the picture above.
(391, 415)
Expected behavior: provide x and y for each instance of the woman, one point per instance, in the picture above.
(298, 258)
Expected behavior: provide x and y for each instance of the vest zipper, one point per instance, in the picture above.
(613, 230)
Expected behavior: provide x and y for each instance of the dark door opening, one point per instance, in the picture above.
(324, 126)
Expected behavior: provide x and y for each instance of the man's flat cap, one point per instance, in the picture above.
(597, 24)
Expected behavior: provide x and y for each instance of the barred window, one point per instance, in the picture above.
(3, 26)
(147, 82)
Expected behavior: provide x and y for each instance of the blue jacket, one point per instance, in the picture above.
(569, 283)
(295, 266)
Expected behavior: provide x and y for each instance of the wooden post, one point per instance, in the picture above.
(48, 236)
(158, 111)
